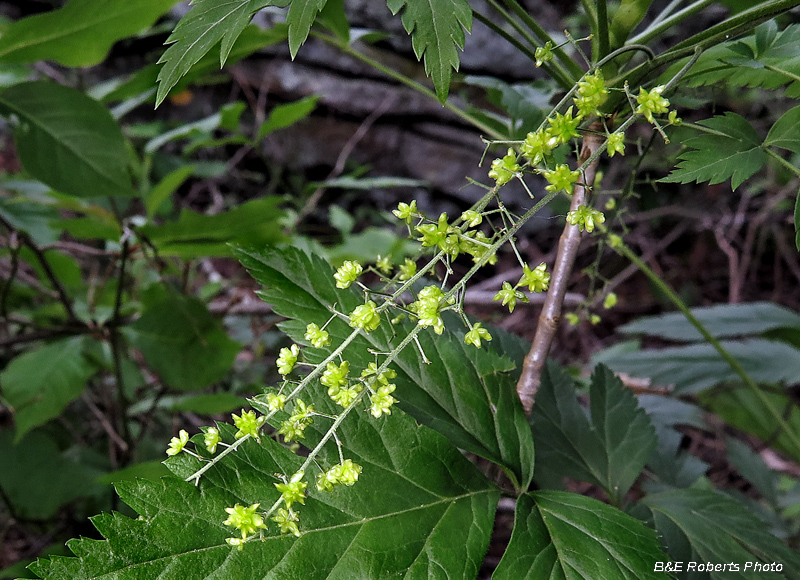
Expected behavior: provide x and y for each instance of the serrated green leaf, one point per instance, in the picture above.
(193, 234)
(718, 529)
(721, 320)
(772, 61)
(419, 509)
(206, 24)
(68, 140)
(183, 343)
(785, 133)
(731, 151)
(609, 449)
(41, 382)
(79, 34)
(571, 537)
(437, 33)
(467, 394)
(300, 17)
(698, 367)
(287, 115)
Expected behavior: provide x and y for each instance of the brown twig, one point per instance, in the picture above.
(28, 241)
(568, 244)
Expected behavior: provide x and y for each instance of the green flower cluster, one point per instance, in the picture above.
(301, 417)
(365, 317)
(248, 423)
(294, 490)
(287, 358)
(504, 169)
(428, 308)
(651, 102)
(476, 334)
(317, 336)
(344, 473)
(585, 218)
(382, 400)
(347, 274)
(537, 280)
(244, 519)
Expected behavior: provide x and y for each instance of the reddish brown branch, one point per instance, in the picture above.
(531, 376)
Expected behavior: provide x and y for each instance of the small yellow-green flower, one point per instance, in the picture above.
(562, 177)
(472, 218)
(177, 444)
(651, 102)
(406, 212)
(543, 54)
(275, 401)
(476, 335)
(248, 424)
(504, 169)
(365, 317)
(610, 301)
(509, 296)
(382, 401)
(537, 280)
(616, 144)
(244, 519)
(347, 274)
(294, 490)
(563, 128)
(407, 270)
(316, 336)
(535, 146)
(287, 359)
(345, 473)
(585, 218)
(287, 521)
(211, 439)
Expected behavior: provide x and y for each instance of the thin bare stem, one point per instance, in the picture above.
(568, 244)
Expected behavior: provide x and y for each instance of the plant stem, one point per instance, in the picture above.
(347, 49)
(715, 343)
(59, 288)
(603, 45)
(664, 22)
(568, 243)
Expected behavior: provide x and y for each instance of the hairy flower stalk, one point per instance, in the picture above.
(568, 244)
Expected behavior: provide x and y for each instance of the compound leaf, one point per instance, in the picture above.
(41, 382)
(437, 32)
(766, 59)
(609, 449)
(564, 535)
(206, 24)
(79, 34)
(67, 140)
(419, 510)
(465, 393)
(706, 526)
(731, 150)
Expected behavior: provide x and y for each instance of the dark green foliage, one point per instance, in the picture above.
(609, 448)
